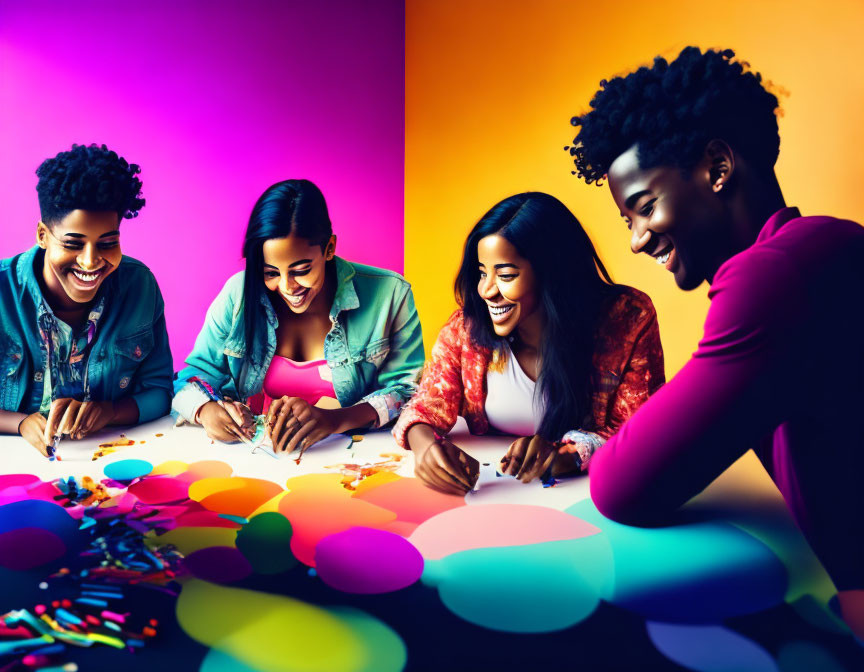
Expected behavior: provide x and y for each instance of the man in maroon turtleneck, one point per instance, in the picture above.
(688, 149)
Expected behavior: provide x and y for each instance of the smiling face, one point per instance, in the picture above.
(81, 250)
(507, 284)
(680, 221)
(295, 270)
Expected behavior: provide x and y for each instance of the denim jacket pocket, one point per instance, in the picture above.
(136, 347)
(131, 351)
(12, 354)
(376, 352)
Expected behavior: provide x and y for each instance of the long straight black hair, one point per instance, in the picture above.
(290, 207)
(572, 284)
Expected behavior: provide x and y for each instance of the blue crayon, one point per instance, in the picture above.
(49, 650)
(110, 596)
(66, 616)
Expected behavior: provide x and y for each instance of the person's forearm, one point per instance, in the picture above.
(420, 436)
(9, 421)
(125, 412)
(354, 417)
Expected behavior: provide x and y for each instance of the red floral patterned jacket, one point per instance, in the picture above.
(628, 368)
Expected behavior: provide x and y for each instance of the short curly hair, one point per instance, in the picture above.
(90, 177)
(672, 110)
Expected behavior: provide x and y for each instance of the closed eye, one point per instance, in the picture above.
(101, 246)
(648, 208)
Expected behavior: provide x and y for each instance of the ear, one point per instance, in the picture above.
(330, 250)
(42, 234)
(720, 161)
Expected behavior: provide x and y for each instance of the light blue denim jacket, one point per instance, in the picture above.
(374, 347)
(129, 356)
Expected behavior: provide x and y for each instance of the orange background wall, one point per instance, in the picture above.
(491, 86)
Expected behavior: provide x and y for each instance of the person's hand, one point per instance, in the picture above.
(242, 416)
(293, 422)
(219, 424)
(528, 458)
(76, 419)
(32, 428)
(445, 467)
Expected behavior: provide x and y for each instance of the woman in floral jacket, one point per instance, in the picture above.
(544, 347)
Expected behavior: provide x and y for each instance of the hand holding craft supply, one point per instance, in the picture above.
(52, 449)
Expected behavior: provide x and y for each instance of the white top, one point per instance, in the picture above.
(511, 406)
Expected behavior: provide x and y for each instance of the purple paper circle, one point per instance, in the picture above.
(28, 547)
(218, 564)
(364, 560)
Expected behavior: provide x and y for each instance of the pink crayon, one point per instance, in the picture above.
(120, 618)
(36, 660)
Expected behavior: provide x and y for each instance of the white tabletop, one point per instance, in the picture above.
(190, 444)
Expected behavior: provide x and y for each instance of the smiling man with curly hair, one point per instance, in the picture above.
(82, 327)
(688, 149)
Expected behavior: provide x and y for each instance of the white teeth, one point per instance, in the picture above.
(295, 300)
(86, 277)
(664, 258)
(500, 310)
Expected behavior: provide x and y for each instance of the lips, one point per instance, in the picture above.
(671, 260)
(500, 314)
(86, 279)
(296, 300)
(663, 255)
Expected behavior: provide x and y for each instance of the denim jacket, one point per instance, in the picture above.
(129, 355)
(374, 347)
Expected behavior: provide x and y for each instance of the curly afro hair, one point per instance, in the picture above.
(88, 178)
(672, 110)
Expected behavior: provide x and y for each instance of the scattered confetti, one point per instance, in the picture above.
(354, 474)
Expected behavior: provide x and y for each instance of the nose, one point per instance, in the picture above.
(488, 288)
(89, 258)
(288, 285)
(640, 238)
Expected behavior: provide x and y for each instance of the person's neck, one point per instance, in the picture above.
(529, 333)
(758, 198)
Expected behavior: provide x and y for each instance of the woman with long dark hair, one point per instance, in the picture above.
(331, 344)
(544, 347)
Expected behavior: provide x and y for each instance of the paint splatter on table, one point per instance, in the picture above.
(195, 557)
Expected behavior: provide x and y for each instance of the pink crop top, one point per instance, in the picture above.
(307, 380)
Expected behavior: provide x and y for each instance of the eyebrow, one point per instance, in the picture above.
(296, 263)
(501, 265)
(115, 232)
(632, 198)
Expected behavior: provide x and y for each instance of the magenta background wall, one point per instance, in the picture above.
(215, 101)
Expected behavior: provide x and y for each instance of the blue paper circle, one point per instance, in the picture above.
(126, 470)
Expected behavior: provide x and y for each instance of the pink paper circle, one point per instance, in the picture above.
(365, 560)
(160, 490)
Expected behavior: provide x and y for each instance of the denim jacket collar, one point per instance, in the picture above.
(27, 277)
(346, 294)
